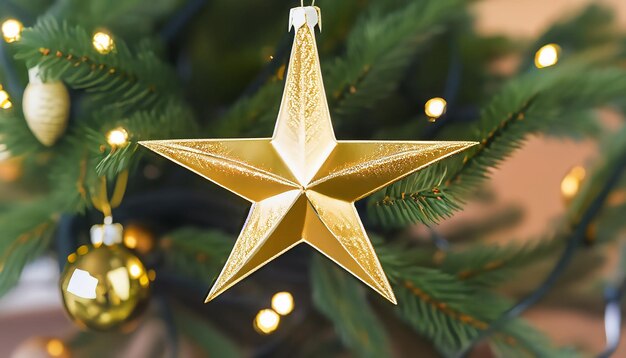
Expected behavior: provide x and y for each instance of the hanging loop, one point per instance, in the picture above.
(302, 3)
(101, 200)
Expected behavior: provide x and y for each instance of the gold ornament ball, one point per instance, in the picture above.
(46, 107)
(104, 287)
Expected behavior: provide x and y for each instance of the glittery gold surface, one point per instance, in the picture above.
(303, 182)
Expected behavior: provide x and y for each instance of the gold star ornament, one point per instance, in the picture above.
(302, 182)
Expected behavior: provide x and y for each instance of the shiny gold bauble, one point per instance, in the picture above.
(104, 287)
(46, 108)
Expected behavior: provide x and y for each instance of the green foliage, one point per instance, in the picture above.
(541, 101)
(127, 18)
(592, 27)
(520, 339)
(26, 233)
(195, 253)
(122, 79)
(379, 50)
(419, 198)
(174, 121)
(488, 265)
(209, 338)
(341, 299)
(255, 112)
(451, 313)
(16, 136)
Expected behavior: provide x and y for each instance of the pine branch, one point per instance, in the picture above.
(379, 51)
(538, 102)
(16, 135)
(419, 198)
(130, 19)
(594, 198)
(84, 154)
(121, 78)
(451, 313)
(207, 337)
(484, 265)
(196, 253)
(26, 234)
(591, 27)
(342, 301)
(522, 340)
(256, 112)
(174, 121)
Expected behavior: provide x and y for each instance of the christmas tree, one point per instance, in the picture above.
(140, 241)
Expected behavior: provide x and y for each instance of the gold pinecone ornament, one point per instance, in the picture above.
(46, 107)
(104, 285)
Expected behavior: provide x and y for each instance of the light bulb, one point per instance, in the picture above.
(282, 303)
(570, 185)
(12, 30)
(266, 321)
(547, 56)
(117, 137)
(435, 107)
(55, 348)
(103, 42)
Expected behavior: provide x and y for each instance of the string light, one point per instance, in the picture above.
(435, 108)
(117, 137)
(5, 101)
(282, 303)
(570, 185)
(103, 42)
(266, 321)
(547, 56)
(12, 30)
(55, 348)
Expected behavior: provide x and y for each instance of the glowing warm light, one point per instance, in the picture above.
(117, 137)
(570, 185)
(435, 107)
(55, 348)
(135, 270)
(130, 241)
(103, 42)
(282, 303)
(266, 321)
(138, 238)
(5, 101)
(12, 30)
(547, 56)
